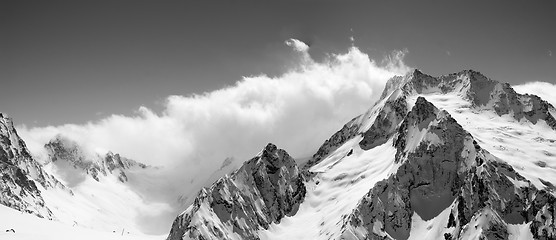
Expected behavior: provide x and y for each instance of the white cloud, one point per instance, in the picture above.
(297, 45)
(542, 89)
(194, 134)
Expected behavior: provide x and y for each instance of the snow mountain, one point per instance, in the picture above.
(263, 191)
(459, 156)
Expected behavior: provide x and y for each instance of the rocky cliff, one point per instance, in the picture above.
(20, 174)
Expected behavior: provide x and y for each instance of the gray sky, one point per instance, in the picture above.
(76, 61)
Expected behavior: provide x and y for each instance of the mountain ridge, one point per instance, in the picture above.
(455, 191)
(460, 156)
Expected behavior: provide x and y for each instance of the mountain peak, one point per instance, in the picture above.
(263, 191)
(416, 72)
(270, 148)
(423, 108)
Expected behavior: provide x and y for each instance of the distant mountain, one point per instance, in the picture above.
(459, 156)
(63, 151)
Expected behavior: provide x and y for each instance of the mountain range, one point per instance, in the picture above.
(460, 156)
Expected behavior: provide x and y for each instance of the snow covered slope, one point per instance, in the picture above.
(108, 190)
(459, 156)
(29, 227)
(99, 192)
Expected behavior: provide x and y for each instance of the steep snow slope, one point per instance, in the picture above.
(29, 227)
(340, 181)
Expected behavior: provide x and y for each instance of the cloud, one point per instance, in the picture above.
(297, 111)
(542, 89)
(549, 53)
(297, 45)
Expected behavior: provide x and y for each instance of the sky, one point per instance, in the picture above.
(73, 62)
(185, 85)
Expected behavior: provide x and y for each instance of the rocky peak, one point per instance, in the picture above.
(263, 191)
(422, 110)
(270, 154)
(10, 140)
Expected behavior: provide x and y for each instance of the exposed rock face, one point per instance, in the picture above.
(263, 191)
(19, 172)
(385, 124)
(443, 167)
(348, 131)
(61, 149)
